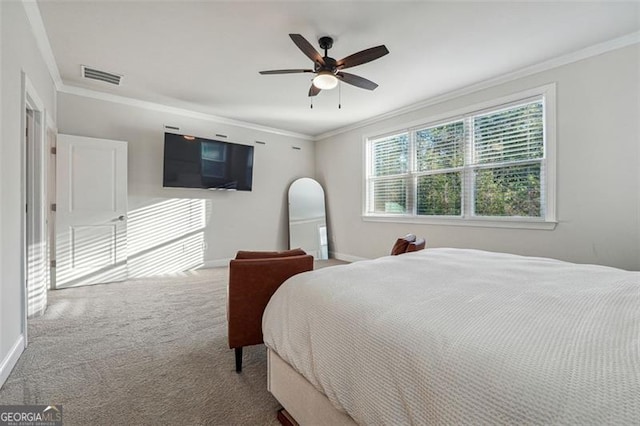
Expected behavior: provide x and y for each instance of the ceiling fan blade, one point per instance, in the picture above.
(313, 90)
(285, 71)
(356, 80)
(363, 57)
(307, 48)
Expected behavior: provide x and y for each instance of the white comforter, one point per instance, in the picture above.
(465, 336)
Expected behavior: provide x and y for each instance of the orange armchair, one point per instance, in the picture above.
(253, 278)
(417, 245)
(407, 244)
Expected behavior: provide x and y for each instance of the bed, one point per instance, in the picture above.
(457, 336)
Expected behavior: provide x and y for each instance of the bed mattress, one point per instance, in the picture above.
(465, 336)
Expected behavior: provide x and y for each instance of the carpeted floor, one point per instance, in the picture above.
(144, 352)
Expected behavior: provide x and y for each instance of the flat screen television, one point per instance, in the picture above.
(191, 162)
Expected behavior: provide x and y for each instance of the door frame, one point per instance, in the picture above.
(51, 135)
(31, 101)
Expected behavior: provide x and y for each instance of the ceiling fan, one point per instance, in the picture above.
(329, 71)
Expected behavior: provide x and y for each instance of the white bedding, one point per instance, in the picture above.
(465, 336)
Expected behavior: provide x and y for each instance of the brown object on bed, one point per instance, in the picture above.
(401, 244)
(253, 278)
(417, 245)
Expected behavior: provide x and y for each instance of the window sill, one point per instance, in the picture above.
(513, 223)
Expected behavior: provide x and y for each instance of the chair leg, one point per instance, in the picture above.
(239, 359)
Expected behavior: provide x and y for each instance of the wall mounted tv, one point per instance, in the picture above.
(191, 162)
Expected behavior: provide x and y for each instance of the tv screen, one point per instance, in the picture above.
(191, 162)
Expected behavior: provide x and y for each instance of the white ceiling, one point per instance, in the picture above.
(205, 56)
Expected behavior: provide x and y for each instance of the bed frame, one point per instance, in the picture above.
(301, 401)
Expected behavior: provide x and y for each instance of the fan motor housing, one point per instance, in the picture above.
(325, 42)
(330, 64)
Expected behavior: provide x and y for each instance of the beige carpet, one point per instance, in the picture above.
(144, 352)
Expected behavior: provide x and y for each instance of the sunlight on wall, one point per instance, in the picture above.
(38, 279)
(166, 237)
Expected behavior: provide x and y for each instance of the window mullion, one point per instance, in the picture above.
(467, 174)
(440, 171)
(413, 180)
(507, 163)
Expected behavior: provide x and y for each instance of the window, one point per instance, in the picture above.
(213, 159)
(487, 166)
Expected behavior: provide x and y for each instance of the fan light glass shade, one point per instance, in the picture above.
(325, 81)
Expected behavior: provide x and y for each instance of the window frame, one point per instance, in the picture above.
(548, 162)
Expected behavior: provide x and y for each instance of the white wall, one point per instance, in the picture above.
(598, 172)
(19, 52)
(168, 227)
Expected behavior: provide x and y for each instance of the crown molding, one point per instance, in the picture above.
(38, 29)
(108, 97)
(576, 56)
(40, 33)
(37, 25)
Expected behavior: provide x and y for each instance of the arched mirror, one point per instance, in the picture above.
(307, 220)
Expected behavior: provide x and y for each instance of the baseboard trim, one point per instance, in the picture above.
(346, 257)
(216, 263)
(11, 359)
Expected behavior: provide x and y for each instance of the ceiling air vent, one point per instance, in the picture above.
(107, 77)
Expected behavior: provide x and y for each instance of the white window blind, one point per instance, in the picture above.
(390, 167)
(508, 149)
(439, 169)
(485, 164)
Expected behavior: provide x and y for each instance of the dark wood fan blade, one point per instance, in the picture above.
(307, 48)
(357, 81)
(363, 57)
(285, 71)
(313, 90)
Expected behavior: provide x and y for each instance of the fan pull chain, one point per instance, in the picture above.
(339, 95)
(311, 98)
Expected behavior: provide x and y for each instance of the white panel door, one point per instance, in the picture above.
(91, 211)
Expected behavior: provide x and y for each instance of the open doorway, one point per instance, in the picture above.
(35, 252)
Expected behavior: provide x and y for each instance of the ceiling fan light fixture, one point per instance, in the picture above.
(325, 80)
(329, 72)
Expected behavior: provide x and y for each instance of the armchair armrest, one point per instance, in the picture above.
(417, 245)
